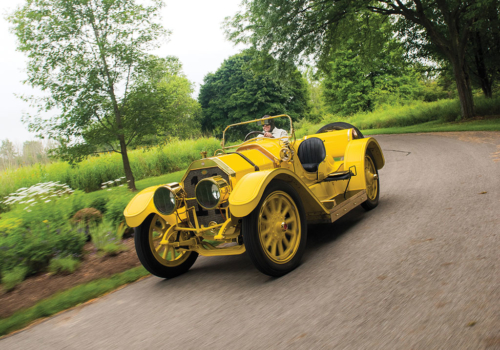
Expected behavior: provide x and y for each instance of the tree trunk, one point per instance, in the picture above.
(481, 71)
(126, 164)
(462, 80)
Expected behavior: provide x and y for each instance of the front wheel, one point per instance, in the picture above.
(162, 260)
(275, 233)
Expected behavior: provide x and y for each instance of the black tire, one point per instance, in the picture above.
(339, 126)
(148, 259)
(250, 230)
(369, 204)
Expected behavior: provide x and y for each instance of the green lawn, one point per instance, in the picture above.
(492, 124)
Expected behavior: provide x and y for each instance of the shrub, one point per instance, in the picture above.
(30, 238)
(10, 279)
(115, 208)
(65, 265)
(106, 237)
(87, 216)
(100, 204)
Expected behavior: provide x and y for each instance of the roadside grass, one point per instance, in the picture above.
(69, 298)
(92, 172)
(436, 126)
(442, 115)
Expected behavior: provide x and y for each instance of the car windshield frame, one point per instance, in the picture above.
(290, 134)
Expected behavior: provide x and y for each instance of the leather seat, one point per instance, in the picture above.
(311, 153)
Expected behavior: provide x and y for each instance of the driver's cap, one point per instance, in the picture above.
(266, 121)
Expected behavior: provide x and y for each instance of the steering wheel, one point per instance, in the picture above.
(253, 132)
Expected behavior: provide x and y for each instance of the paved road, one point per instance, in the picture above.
(421, 271)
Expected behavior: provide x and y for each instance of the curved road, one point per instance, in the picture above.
(421, 271)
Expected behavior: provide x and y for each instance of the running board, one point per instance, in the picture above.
(346, 206)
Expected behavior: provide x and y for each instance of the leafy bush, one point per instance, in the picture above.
(115, 208)
(100, 204)
(32, 233)
(87, 216)
(65, 265)
(10, 279)
(106, 237)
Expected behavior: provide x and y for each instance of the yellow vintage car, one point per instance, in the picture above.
(256, 197)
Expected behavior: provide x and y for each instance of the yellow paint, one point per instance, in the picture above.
(141, 206)
(248, 191)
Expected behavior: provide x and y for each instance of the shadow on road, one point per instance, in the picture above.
(240, 270)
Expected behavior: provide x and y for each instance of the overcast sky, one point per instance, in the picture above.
(197, 39)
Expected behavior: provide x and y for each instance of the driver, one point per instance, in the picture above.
(270, 130)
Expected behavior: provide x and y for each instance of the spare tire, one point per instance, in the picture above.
(339, 126)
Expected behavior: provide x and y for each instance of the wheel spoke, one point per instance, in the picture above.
(268, 241)
(280, 248)
(280, 207)
(164, 255)
(273, 249)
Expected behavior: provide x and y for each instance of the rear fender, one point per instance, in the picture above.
(141, 206)
(249, 190)
(355, 156)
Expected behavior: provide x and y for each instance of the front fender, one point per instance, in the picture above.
(249, 190)
(355, 156)
(141, 206)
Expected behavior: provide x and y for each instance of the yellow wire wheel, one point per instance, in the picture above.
(165, 253)
(153, 244)
(372, 182)
(279, 227)
(275, 232)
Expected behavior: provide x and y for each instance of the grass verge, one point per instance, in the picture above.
(69, 298)
(436, 126)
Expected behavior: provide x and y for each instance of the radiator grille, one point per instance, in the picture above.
(204, 216)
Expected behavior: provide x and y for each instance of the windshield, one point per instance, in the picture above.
(236, 134)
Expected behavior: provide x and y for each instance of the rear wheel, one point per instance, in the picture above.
(340, 126)
(275, 233)
(159, 258)
(372, 182)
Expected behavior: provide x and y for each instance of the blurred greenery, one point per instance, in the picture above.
(63, 265)
(90, 174)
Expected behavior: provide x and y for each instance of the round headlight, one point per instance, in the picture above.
(164, 200)
(168, 198)
(211, 192)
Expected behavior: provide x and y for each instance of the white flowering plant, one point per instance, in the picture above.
(40, 193)
(120, 182)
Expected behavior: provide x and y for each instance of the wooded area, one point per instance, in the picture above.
(314, 60)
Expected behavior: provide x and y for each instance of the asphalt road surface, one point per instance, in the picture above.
(421, 271)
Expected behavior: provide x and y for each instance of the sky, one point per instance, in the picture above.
(197, 40)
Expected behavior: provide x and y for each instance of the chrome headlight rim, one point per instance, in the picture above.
(175, 194)
(223, 191)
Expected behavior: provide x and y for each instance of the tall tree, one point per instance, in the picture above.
(8, 154)
(86, 54)
(367, 67)
(240, 90)
(484, 47)
(295, 30)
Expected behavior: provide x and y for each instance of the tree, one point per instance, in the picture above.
(240, 91)
(483, 48)
(8, 154)
(367, 67)
(86, 54)
(296, 30)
